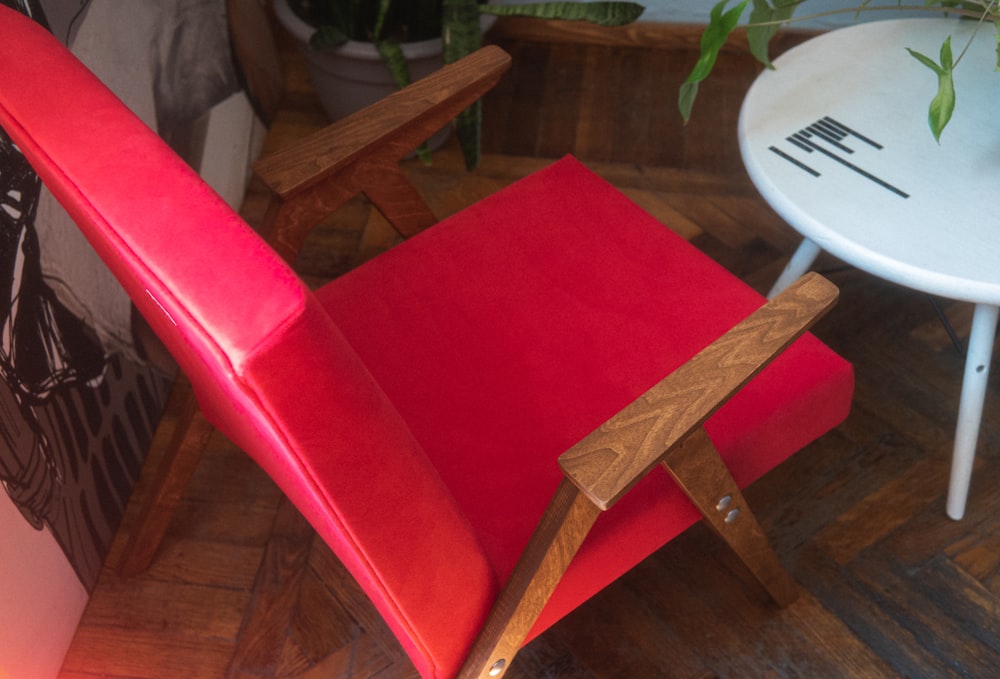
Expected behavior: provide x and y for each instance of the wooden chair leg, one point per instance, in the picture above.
(290, 219)
(190, 435)
(699, 470)
(390, 190)
(559, 534)
(287, 222)
(701, 473)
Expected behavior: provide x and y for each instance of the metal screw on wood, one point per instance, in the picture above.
(497, 669)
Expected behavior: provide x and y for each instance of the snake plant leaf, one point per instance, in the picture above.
(720, 24)
(943, 103)
(768, 18)
(469, 130)
(383, 13)
(996, 33)
(392, 54)
(600, 13)
(460, 32)
(327, 36)
(461, 36)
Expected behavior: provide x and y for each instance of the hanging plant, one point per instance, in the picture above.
(766, 17)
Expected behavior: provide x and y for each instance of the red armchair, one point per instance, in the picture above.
(488, 423)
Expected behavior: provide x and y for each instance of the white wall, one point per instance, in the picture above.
(697, 11)
(41, 595)
(41, 599)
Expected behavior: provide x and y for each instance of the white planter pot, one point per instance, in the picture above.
(353, 75)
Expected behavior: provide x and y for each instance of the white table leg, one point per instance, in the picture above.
(798, 265)
(970, 408)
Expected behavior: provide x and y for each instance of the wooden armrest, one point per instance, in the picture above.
(620, 452)
(393, 126)
(662, 425)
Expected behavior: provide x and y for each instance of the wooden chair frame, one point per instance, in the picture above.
(361, 154)
(663, 426)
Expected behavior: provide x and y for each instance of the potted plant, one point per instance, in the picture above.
(767, 17)
(404, 39)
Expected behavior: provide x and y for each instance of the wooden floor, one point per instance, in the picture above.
(891, 587)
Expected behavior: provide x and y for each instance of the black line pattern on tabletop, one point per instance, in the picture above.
(832, 139)
(795, 162)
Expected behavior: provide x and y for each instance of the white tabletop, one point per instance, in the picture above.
(919, 213)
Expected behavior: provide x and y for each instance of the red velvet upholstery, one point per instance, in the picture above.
(509, 332)
(414, 409)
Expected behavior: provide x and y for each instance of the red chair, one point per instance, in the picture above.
(484, 422)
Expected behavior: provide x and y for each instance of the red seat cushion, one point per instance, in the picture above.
(505, 334)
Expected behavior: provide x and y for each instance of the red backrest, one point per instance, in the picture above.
(269, 367)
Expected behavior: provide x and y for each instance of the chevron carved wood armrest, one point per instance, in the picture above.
(613, 458)
(388, 129)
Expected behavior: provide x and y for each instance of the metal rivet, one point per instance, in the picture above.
(497, 669)
(732, 515)
(723, 504)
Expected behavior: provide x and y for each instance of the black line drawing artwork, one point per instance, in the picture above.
(827, 137)
(75, 421)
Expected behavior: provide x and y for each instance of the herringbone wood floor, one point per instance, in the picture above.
(891, 587)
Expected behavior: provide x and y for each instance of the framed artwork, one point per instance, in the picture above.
(77, 416)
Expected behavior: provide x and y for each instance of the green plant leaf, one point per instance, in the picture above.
(383, 14)
(468, 129)
(392, 54)
(600, 13)
(996, 32)
(461, 36)
(943, 104)
(327, 36)
(768, 18)
(864, 4)
(721, 23)
(460, 32)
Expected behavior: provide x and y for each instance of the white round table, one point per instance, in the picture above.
(836, 139)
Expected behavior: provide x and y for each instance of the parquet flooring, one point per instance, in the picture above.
(891, 587)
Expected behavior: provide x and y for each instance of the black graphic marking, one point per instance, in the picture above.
(832, 139)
